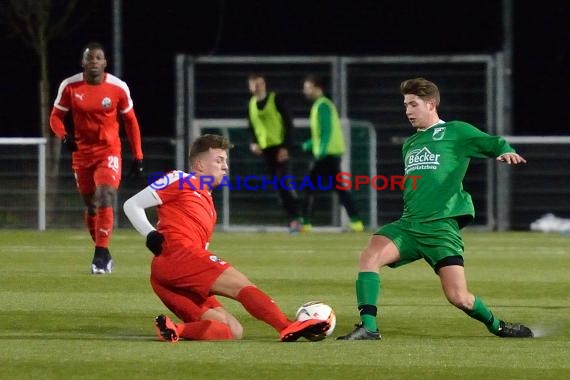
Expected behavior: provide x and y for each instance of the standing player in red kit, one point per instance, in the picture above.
(94, 98)
(184, 274)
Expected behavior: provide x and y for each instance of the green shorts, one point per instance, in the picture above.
(431, 241)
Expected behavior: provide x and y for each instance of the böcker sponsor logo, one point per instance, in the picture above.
(421, 159)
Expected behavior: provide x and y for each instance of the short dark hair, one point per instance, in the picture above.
(316, 80)
(91, 46)
(421, 87)
(206, 142)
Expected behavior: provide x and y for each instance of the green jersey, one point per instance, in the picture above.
(438, 157)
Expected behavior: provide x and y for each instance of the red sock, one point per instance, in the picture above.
(90, 223)
(262, 307)
(103, 226)
(204, 330)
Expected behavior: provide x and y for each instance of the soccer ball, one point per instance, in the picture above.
(317, 310)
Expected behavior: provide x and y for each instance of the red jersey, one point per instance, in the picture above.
(94, 109)
(186, 215)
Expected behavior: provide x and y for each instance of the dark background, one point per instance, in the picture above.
(153, 34)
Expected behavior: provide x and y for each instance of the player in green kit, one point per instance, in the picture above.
(435, 209)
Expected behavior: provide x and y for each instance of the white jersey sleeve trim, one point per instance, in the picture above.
(134, 209)
(72, 79)
(110, 78)
(170, 178)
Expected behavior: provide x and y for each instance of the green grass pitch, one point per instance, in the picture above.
(59, 322)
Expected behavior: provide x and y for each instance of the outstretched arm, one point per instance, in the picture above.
(480, 144)
(511, 158)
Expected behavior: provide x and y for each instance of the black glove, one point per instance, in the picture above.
(70, 143)
(154, 241)
(136, 169)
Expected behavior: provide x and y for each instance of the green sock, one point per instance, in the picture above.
(482, 313)
(367, 292)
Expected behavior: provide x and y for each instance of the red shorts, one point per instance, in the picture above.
(186, 305)
(182, 278)
(103, 169)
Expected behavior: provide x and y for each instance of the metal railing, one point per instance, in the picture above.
(339, 218)
(41, 171)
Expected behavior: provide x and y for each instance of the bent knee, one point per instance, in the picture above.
(372, 258)
(369, 260)
(233, 325)
(237, 331)
(105, 196)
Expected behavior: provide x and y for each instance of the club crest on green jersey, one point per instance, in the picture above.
(438, 133)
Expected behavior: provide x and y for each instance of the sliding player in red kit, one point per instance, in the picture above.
(185, 275)
(94, 98)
